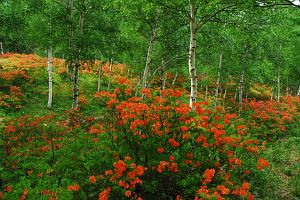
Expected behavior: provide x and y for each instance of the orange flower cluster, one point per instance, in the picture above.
(262, 163)
(160, 150)
(174, 143)
(208, 174)
(172, 166)
(243, 191)
(92, 179)
(14, 74)
(104, 194)
(49, 194)
(127, 180)
(75, 187)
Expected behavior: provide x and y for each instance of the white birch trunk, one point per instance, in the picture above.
(137, 83)
(70, 70)
(225, 93)
(174, 80)
(162, 77)
(149, 58)
(99, 77)
(76, 85)
(272, 93)
(1, 48)
(241, 91)
(248, 90)
(241, 88)
(128, 71)
(298, 92)
(236, 93)
(206, 92)
(192, 56)
(110, 73)
(164, 81)
(78, 59)
(50, 78)
(278, 87)
(224, 97)
(218, 81)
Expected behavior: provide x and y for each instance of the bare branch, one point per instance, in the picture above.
(177, 57)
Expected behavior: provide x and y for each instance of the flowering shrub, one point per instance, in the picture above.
(11, 101)
(201, 151)
(154, 148)
(270, 116)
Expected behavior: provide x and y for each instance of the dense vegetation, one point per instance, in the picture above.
(101, 100)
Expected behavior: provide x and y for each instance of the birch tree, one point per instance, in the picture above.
(50, 95)
(199, 13)
(1, 48)
(218, 81)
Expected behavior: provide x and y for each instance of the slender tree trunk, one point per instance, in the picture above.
(137, 86)
(192, 56)
(149, 57)
(272, 93)
(287, 88)
(76, 85)
(221, 91)
(164, 81)
(128, 71)
(174, 80)
(78, 58)
(278, 87)
(224, 97)
(99, 77)
(1, 48)
(248, 91)
(241, 92)
(206, 92)
(162, 77)
(236, 93)
(218, 81)
(298, 92)
(70, 55)
(163, 84)
(110, 73)
(50, 77)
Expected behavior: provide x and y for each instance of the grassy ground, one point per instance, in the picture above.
(286, 158)
(284, 179)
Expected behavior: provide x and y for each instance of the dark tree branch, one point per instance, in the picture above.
(207, 18)
(177, 57)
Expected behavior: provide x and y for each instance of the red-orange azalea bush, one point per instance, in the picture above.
(154, 148)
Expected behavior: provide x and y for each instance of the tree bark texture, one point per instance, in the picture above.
(218, 81)
(192, 56)
(278, 87)
(241, 87)
(110, 73)
(50, 95)
(1, 48)
(137, 86)
(149, 57)
(174, 80)
(99, 77)
(76, 85)
(206, 92)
